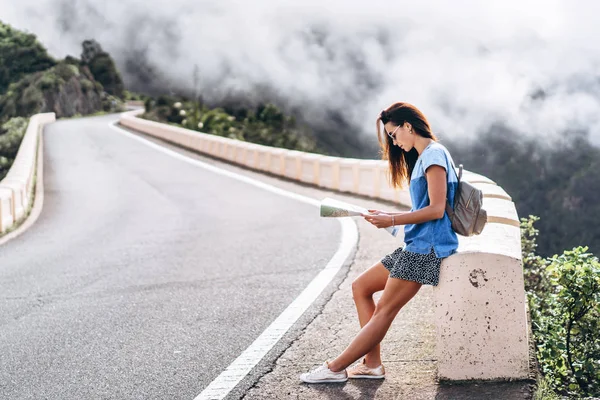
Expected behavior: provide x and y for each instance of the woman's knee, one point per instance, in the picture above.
(371, 281)
(359, 288)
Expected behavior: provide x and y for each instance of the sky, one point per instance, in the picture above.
(531, 65)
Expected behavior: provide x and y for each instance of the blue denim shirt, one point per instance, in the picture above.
(438, 233)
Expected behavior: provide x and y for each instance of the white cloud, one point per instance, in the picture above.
(466, 63)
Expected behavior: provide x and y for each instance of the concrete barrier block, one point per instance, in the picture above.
(134, 103)
(231, 151)
(309, 168)
(197, 142)
(168, 134)
(506, 241)
(501, 211)
(475, 178)
(180, 136)
(348, 175)
(217, 147)
(276, 162)
(189, 139)
(211, 146)
(292, 164)
(264, 159)
(240, 154)
(207, 144)
(222, 147)
(492, 190)
(251, 157)
(18, 190)
(6, 209)
(368, 177)
(481, 318)
(329, 172)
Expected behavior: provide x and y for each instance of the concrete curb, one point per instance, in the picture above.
(38, 197)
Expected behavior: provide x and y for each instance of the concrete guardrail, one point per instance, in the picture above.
(482, 330)
(16, 189)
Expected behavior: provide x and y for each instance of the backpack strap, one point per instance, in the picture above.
(449, 209)
(460, 170)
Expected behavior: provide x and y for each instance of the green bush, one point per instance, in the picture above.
(20, 54)
(533, 265)
(31, 100)
(266, 125)
(102, 67)
(66, 71)
(11, 135)
(544, 391)
(564, 299)
(87, 86)
(104, 70)
(50, 81)
(128, 95)
(112, 104)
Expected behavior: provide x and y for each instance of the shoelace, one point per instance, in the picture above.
(317, 370)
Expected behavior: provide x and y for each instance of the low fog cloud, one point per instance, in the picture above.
(533, 66)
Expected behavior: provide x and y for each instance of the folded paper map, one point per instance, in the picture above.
(335, 208)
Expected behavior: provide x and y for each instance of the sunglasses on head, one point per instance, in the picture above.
(385, 118)
(391, 135)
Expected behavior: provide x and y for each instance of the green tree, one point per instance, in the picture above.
(103, 67)
(11, 135)
(20, 54)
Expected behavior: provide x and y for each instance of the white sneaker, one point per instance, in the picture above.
(361, 371)
(323, 374)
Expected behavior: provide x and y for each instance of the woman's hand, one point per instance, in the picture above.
(380, 220)
(378, 212)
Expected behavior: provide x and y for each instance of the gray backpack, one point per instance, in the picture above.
(467, 216)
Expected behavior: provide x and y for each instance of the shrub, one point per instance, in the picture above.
(20, 54)
(49, 81)
(31, 100)
(11, 135)
(564, 299)
(66, 71)
(87, 85)
(267, 125)
(103, 68)
(129, 95)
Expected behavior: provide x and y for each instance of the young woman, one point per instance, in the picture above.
(415, 157)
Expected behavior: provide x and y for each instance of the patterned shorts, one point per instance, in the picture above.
(422, 268)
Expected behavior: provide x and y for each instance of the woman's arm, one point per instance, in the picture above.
(436, 188)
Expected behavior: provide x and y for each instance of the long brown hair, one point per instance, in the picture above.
(401, 163)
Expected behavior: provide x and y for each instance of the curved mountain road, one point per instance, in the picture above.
(145, 276)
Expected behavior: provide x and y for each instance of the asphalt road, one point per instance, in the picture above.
(145, 276)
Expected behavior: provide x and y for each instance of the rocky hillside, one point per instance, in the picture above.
(32, 82)
(65, 89)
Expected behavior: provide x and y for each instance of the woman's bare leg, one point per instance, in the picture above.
(396, 294)
(369, 282)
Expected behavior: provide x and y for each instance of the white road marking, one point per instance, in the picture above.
(241, 366)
